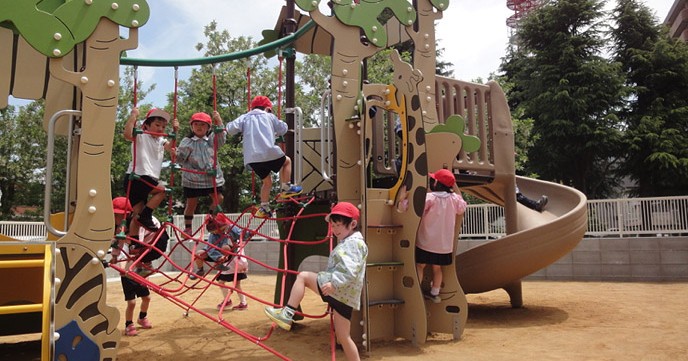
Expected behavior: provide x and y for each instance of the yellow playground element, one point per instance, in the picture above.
(26, 300)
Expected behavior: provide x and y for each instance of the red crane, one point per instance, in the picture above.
(520, 8)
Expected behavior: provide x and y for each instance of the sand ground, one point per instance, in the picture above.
(559, 321)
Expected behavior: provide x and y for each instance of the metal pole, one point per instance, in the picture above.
(290, 28)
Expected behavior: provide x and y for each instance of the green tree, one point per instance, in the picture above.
(656, 113)
(313, 74)
(23, 144)
(571, 92)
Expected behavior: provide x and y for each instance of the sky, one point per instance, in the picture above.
(473, 34)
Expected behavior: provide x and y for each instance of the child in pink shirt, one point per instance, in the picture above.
(435, 240)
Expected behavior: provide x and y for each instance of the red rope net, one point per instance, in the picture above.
(178, 279)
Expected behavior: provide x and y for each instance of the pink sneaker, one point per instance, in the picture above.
(223, 305)
(130, 330)
(145, 323)
(240, 307)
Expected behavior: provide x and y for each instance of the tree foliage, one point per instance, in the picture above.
(571, 92)
(656, 112)
(23, 143)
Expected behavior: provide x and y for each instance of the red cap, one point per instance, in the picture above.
(159, 113)
(200, 117)
(345, 209)
(445, 177)
(121, 205)
(217, 223)
(261, 101)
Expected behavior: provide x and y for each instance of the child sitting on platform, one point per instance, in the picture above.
(220, 234)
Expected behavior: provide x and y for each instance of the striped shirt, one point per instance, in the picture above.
(197, 154)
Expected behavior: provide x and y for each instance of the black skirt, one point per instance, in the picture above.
(440, 259)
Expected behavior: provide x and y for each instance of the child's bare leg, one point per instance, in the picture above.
(189, 210)
(129, 312)
(436, 276)
(265, 189)
(156, 199)
(342, 328)
(285, 171)
(224, 290)
(242, 297)
(200, 257)
(420, 267)
(145, 302)
(298, 290)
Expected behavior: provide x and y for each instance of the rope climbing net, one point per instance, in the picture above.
(180, 284)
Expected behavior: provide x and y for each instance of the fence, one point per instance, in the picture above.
(36, 231)
(623, 218)
(269, 228)
(24, 231)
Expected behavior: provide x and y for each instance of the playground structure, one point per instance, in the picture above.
(462, 126)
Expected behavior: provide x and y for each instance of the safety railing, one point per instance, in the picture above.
(624, 217)
(37, 231)
(24, 231)
(638, 216)
(269, 228)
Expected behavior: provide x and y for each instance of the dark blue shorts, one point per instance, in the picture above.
(425, 257)
(229, 277)
(200, 192)
(263, 169)
(341, 308)
(140, 188)
(133, 289)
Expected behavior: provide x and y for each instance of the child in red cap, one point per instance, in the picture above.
(340, 285)
(259, 128)
(435, 239)
(221, 236)
(130, 288)
(146, 164)
(197, 156)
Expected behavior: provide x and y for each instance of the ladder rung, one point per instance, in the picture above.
(14, 309)
(23, 263)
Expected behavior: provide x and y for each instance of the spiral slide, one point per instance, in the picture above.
(540, 240)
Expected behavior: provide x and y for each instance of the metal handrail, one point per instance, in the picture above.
(325, 134)
(287, 40)
(49, 170)
(298, 142)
